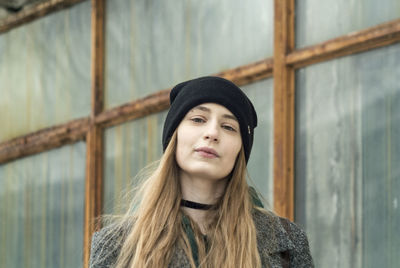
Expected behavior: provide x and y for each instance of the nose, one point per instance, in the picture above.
(212, 132)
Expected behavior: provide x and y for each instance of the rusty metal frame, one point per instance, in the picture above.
(374, 37)
(284, 103)
(95, 133)
(56, 136)
(34, 12)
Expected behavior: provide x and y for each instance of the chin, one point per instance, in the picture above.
(214, 177)
(205, 172)
(208, 174)
(204, 169)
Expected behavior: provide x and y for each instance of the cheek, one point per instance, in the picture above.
(234, 150)
(181, 146)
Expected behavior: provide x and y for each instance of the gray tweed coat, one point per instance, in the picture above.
(277, 240)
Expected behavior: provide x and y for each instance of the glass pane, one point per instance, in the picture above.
(318, 21)
(152, 45)
(41, 209)
(260, 165)
(128, 149)
(131, 146)
(347, 155)
(45, 72)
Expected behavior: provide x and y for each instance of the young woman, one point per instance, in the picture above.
(196, 209)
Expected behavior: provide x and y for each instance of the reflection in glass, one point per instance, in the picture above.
(318, 21)
(347, 155)
(41, 209)
(152, 45)
(45, 72)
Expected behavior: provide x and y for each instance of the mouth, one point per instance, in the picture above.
(207, 152)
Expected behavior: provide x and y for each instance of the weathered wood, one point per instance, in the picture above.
(153, 103)
(43, 140)
(97, 68)
(93, 186)
(377, 36)
(94, 140)
(249, 73)
(283, 109)
(68, 133)
(34, 12)
(374, 37)
(159, 101)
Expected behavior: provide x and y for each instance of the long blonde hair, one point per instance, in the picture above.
(154, 226)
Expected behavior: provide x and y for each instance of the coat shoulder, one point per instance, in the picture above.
(300, 255)
(106, 245)
(276, 235)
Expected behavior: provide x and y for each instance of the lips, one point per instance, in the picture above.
(207, 152)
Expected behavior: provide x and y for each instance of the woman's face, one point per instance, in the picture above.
(208, 142)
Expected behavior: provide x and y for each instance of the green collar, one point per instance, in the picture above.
(190, 234)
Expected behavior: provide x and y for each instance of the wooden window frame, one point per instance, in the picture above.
(286, 59)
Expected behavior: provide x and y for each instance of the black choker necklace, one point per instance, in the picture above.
(194, 205)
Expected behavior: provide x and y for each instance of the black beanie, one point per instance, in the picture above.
(186, 95)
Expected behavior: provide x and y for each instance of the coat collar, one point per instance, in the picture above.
(272, 237)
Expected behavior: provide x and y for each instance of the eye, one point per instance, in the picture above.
(197, 120)
(228, 127)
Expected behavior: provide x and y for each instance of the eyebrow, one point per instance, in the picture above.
(205, 109)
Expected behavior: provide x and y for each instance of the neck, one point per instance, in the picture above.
(200, 190)
(195, 205)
